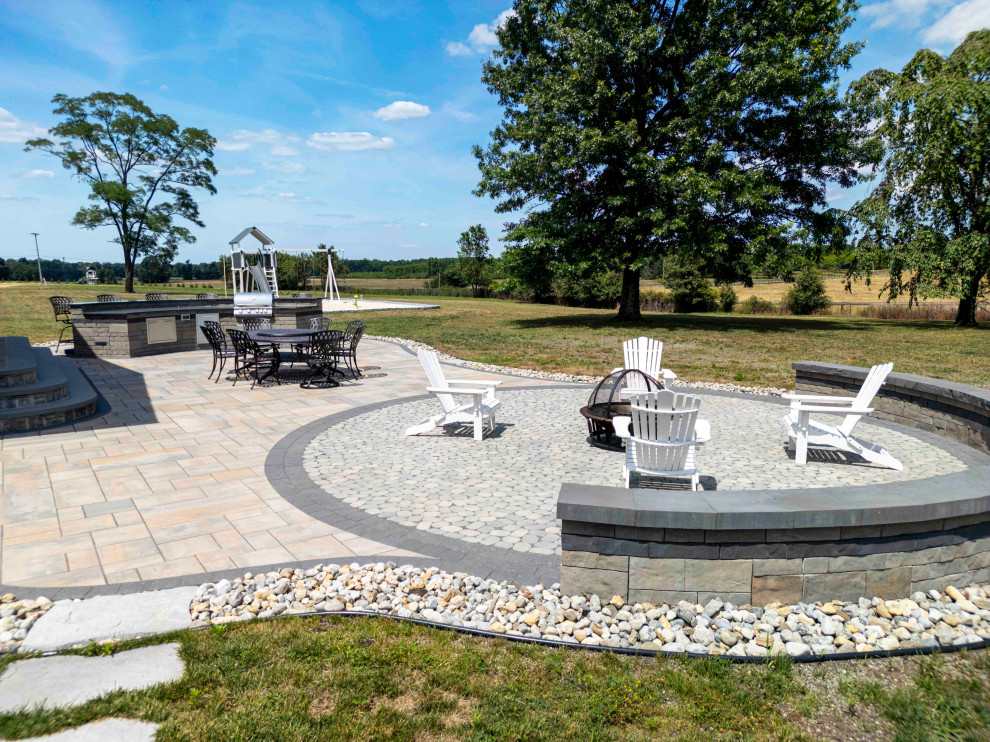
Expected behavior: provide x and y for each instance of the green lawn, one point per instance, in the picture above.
(324, 678)
(746, 349)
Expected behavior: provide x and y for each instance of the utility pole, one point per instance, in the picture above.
(37, 252)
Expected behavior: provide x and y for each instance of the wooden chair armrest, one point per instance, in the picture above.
(816, 397)
(702, 431)
(479, 382)
(621, 424)
(449, 390)
(833, 410)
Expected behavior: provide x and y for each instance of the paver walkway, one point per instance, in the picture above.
(172, 481)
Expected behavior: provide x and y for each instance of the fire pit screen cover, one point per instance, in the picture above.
(606, 402)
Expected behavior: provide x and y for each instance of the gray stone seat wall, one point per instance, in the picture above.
(956, 411)
(759, 546)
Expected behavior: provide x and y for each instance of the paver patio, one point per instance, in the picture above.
(171, 481)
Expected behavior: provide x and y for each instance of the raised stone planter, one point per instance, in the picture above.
(815, 544)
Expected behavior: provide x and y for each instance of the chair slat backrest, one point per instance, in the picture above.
(663, 417)
(864, 398)
(644, 354)
(256, 323)
(431, 364)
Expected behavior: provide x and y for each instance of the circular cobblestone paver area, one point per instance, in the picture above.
(502, 492)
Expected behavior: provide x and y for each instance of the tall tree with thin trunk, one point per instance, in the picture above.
(139, 166)
(473, 256)
(635, 129)
(927, 219)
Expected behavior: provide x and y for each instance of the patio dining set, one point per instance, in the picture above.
(259, 351)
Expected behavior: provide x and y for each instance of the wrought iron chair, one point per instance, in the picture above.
(206, 296)
(156, 297)
(302, 295)
(251, 360)
(323, 357)
(348, 349)
(106, 298)
(218, 343)
(63, 314)
(256, 323)
(319, 323)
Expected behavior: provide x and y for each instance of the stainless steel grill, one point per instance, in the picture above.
(253, 304)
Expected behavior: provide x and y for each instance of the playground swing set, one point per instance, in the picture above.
(261, 274)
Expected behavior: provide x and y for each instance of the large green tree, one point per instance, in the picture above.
(634, 129)
(139, 166)
(927, 218)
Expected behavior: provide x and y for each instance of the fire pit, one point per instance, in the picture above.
(607, 401)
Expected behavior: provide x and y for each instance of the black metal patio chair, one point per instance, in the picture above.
(348, 350)
(206, 296)
(218, 344)
(323, 357)
(319, 323)
(107, 298)
(156, 297)
(63, 314)
(252, 360)
(256, 323)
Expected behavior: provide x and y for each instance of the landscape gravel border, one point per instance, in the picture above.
(804, 632)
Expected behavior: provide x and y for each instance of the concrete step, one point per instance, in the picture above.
(81, 401)
(51, 384)
(17, 362)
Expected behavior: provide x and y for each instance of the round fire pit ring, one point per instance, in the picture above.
(609, 400)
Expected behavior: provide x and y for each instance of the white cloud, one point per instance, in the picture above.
(954, 25)
(458, 49)
(402, 109)
(423, 224)
(348, 141)
(482, 39)
(163, 87)
(283, 150)
(409, 245)
(233, 146)
(243, 139)
(456, 112)
(237, 171)
(392, 226)
(907, 13)
(15, 131)
(286, 168)
(39, 174)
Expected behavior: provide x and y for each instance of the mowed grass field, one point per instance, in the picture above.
(746, 349)
(753, 350)
(369, 680)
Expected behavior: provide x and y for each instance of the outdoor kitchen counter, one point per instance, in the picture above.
(139, 328)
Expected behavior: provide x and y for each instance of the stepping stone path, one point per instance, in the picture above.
(106, 730)
(70, 623)
(57, 682)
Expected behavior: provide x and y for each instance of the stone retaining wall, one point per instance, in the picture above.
(760, 566)
(956, 411)
(760, 546)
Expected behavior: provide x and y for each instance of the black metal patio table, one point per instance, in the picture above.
(296, 337)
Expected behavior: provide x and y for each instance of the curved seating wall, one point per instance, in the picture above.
(816, 544)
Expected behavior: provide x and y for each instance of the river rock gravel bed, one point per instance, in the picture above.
(16, 619)
(571, 378)
(931, 620)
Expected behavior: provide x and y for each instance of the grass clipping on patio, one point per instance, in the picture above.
(336, 678)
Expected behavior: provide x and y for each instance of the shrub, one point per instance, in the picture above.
(756, 305)
(726, 298)
(656, 301)
(692, 292)
(808, 296)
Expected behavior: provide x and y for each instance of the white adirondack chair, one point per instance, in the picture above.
(802, 431)
(480, 411)
(665, 430)
(644, 354)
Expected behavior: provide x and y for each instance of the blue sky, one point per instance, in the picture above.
(348, 123)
